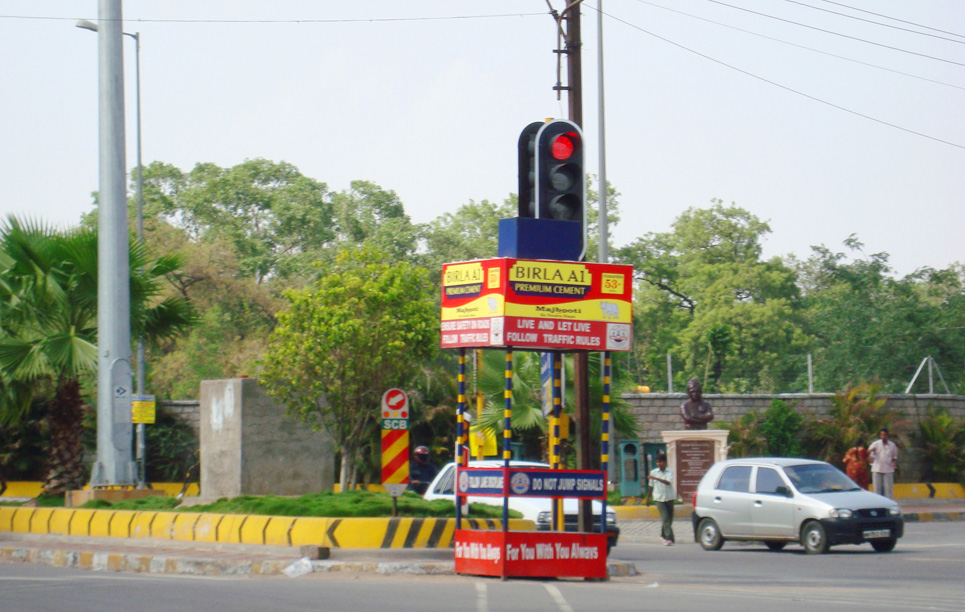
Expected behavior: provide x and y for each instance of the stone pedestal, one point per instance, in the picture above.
(690, 453)
(249, 446)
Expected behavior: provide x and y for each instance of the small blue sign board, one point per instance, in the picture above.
(533, 482)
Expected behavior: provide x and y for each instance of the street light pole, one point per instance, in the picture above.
(141, 447)
(113, 466)
(601, 124)
(87, 25)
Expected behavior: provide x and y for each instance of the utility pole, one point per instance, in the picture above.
(581, 362)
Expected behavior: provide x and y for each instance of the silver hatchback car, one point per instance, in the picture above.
(782, 500)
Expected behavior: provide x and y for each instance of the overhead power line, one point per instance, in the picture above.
(776, 84)
(283, 21)
(878, 23)
(832, 32)
(785, 42)
(919, 25)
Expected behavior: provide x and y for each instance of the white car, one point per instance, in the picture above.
(779, 500)
(536, 509)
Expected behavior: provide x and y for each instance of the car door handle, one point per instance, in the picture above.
(758, 504)
(717, 500)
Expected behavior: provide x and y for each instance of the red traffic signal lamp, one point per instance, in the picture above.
(560, 184)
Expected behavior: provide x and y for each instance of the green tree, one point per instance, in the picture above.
(471, 232)
(366, 214)
(361, 328)
(276, 219)
(866, 324)
(231, 335)
(249, 232)
(706, 296)
(48, 305)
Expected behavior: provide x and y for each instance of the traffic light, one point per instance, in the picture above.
(560, 184)
(550, 221)
(527, 169)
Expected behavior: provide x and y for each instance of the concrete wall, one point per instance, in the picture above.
(188, 411)
(656, 412)
(250, 447)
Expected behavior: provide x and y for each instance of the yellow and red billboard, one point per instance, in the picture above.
(537, 304)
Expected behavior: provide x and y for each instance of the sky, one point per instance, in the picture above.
(823, 118)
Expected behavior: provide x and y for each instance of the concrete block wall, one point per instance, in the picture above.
(249, 446)
(656, 412)
(188, 411)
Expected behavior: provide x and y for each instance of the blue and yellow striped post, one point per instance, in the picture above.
(507, 435)
(605, 435)
(461, 434)
(557, 410)
(555, 442)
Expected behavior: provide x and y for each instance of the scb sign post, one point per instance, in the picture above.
(395, 443)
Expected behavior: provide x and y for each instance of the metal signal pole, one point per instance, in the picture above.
(581, 363)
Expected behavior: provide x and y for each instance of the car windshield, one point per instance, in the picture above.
(819, 478)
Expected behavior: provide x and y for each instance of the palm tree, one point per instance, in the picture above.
(48, 334)
(527, 412)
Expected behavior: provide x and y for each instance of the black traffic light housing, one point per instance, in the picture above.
(527, 169)
(551, 221)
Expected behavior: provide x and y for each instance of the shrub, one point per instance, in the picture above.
(781, 430)
(745, 438)
(942, 442)
(776, 432)
(172, 450)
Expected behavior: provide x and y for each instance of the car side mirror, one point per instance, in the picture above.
(784, 490)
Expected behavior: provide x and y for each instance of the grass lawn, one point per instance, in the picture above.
(350, 504)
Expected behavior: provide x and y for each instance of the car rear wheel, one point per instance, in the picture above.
(775, 545)
(708, 534)
(886, 545)
(814, 539)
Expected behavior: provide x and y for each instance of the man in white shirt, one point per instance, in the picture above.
(884, 461)
(661, 478)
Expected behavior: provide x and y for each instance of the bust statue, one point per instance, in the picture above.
(695, 411)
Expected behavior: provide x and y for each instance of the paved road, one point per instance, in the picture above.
(923, 573)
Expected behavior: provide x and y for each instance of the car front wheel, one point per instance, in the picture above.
(708, 534)
(814, 539)
(886, 545)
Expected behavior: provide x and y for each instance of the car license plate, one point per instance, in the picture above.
(877, 533)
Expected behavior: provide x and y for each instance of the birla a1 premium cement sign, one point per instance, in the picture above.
(537, 304)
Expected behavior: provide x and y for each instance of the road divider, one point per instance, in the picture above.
(404, 532)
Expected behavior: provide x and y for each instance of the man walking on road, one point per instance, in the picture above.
(884, 461)
(664, 496)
